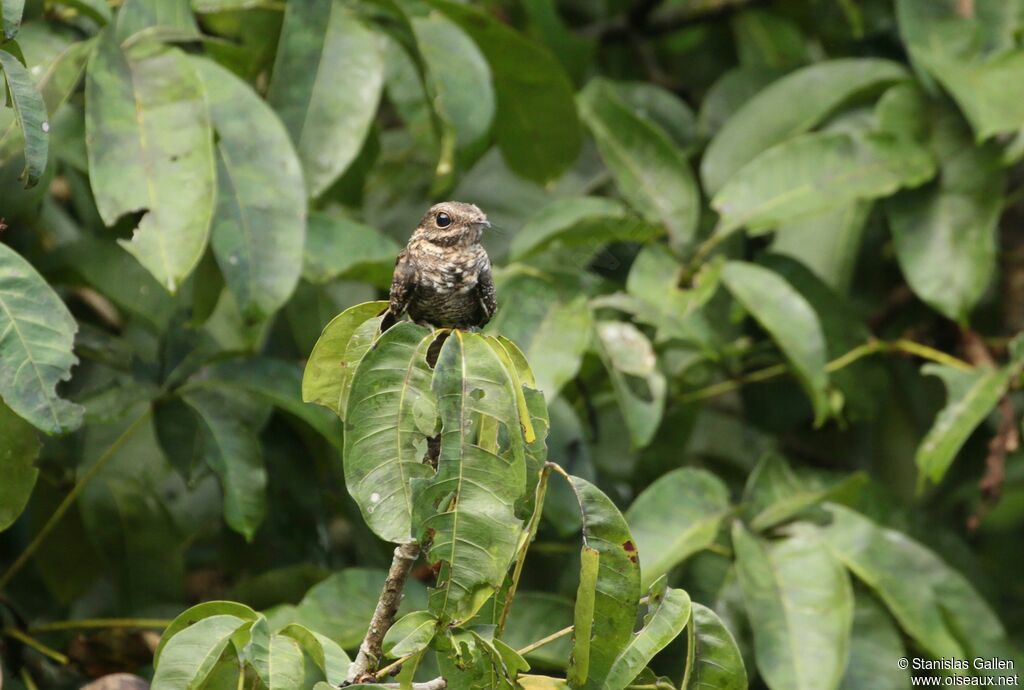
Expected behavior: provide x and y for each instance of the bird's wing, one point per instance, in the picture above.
(488, 296)
(403, 284)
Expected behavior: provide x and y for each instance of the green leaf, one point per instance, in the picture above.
(338, 247)
(638, 383)
(675, 517)
(37, 333)
(791, 322)
(668, 611)
(616, 585)
(190, 655)
(766, 39)
(661, 108)
(945, 234)
(391, 413)
(769, 118)
(257, 237)
(232, 450)
(341, 606)
(30, 112)
(166, 19)
(934, 604)
(553, 330)
(326, 86)
(535, 123)
(774, 494)
(585, 223)
(713, 661)
(410, 634)
(874, 643)
(150, 145)
(325, 653)
(583, 617)
(328, 374)
(278, 382)
(11, 11)
(469, 504)
(828, 244)
(649, 170)
(811, 174)
(19, 448)
(200, 612)
(799, 599)
(970, 397)
(277, 659)
(97, 10)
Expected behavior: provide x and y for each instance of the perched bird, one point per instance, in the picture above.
(443, 276)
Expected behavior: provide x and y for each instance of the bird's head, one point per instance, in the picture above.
(453, 223)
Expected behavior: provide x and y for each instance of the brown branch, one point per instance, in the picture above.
(362, 669)
(1006, 440)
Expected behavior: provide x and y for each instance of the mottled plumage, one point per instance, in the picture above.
(443, 276)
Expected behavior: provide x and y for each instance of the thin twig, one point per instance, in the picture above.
(545, 640)
(861, 351)
(102, 624)
(384, 615)
(70, 499)
(35, 644)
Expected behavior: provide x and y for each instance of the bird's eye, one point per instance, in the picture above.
(443, 220)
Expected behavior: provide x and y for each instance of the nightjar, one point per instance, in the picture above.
(443, 276)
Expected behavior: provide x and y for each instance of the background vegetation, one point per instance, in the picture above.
(764, 258)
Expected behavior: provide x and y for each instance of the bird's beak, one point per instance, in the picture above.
(485, 224)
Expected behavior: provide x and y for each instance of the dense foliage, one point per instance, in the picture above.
(760, 275)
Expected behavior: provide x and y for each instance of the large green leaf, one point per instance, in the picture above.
(468, 506)
(828, 244)
(874, 643)
(800, 604)
(199, 612)
(328, 374)
(232, 450)
(668, 612)
(391, 414)
(36, 336)
(410, 634)
(769, 118)
(257, 236)
(612, 589)
(150, 144)
(649, 170)
(638, 383)
(11, 12)
(933, 603)
(970, 397)
(583, 223)
(945, 234)
(972, 51)
(338, 247)
(675, 517)
(19, 448)
(324, 652)
(277, 659)
(278, 382)
(553, 330)
(811, 174)
(168, 19)
(340, 607)
(326, 86)
(535, 124)
(30, 112)
(774, 494)
(190, 656)
(791, 322)
(713, 661)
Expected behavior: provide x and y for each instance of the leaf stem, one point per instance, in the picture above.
(867, 349)
(70, 499)
(35, 644)
(528, 537)
(545, 640)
